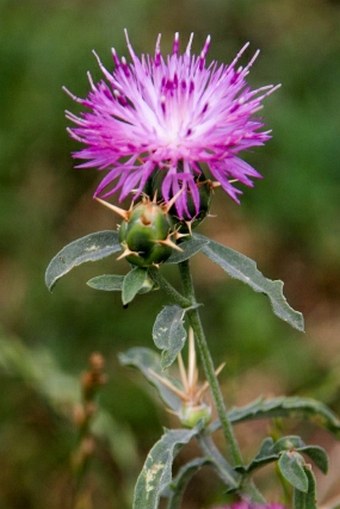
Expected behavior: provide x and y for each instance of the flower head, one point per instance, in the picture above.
(170, 114)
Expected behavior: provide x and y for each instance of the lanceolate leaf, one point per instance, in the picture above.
(149, 362)
(286, 407)
(107, 282)
(90, 248)
(169, 333)
(157, 470)
(244, 269)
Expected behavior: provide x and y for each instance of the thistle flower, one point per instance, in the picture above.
(171, 114)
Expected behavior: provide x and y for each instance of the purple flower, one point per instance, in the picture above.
(173, 114)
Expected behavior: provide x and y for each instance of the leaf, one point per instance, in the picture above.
(107, 282)
(157, 470)
(265, 455)
(244, 269)
(148, 362)
(169, 333)
(189, 248)
(90, 248)
(286, 407)
(307, 500)
(318, 455)
(291, 466)
(133, 283)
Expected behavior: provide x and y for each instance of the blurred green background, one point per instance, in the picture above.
(289, 224)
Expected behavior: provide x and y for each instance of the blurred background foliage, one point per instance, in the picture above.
(289, 224)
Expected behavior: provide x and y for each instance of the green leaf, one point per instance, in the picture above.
(169, 333)
(133, 283)
(318, 455)
(148, 362)
(157, 470)
(286, 407)
(291, 466)
(307, 500)
(176, 489)
(107, 282)
(264, 456)
(244, 269)
(190, 247)
(90, 248)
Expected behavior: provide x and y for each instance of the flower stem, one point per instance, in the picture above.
(207, 362)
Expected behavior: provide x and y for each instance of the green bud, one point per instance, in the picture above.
(145, 235)
(190, 415)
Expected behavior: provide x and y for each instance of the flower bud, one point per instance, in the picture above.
(191, 217)
(190, 414)
(145, 235)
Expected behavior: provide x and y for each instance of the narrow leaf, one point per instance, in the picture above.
(286, 407)
(133, 283)
(244, 269)
(190, 247)
(157, 470)
(291, 466)
(169, 333)
(148, 362)
(107, 282)
(90, 248)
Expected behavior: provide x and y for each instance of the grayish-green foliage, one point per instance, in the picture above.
(90, 248)
(244, 269)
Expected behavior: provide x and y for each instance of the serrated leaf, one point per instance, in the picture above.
(189, 248)
(133, 283)
(90, 248)
(291, 466)
(244, 269)
(318, 455)
(169, 334)
(149, 362)
(157, 470)
(107, 282)
(286, 407)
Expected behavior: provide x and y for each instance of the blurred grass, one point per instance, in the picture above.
(289, 223)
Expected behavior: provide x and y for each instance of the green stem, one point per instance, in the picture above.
(207, 362)
(226, 472)
(169, 289)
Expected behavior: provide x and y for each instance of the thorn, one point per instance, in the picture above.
(168, 384)
(170, 243)
(167, 206)
(127, 252)
(177, 235)
(125, 214)
(215, 184)
(189, 224)
(205, 386)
